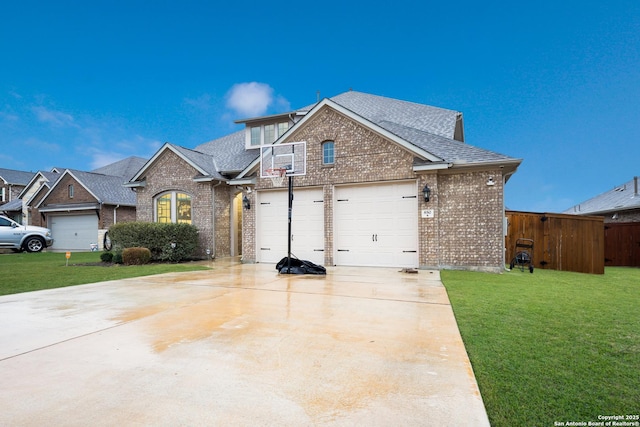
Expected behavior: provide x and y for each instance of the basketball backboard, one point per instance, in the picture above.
(291, 156)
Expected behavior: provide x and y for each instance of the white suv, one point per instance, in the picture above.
(23, 237)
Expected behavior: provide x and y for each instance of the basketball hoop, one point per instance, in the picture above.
(276, 175)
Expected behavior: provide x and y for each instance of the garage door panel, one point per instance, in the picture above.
(74, 232)
(307, 225)
(377, 225)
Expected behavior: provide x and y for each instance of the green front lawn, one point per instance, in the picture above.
(551, 346)
(26, 272)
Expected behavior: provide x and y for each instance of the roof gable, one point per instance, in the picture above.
(106, 189)
(203, 163)
(47, 179)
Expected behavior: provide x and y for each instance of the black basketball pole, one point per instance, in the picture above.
(290, 212)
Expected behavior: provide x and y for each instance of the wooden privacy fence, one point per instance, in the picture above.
(561, 242)
(622, 244)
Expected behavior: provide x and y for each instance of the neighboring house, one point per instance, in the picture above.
(13, 210)
(80, 206)
(361, 202)
(620, 204)
(12, 182)
(33, 193)
(620, 208)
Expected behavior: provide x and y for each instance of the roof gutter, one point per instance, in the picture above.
(432, 167)
(135, 184)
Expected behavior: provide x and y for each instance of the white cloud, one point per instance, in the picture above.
(56, 118)
(250, 99)
(102, 158)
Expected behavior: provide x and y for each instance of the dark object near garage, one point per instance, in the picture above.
(298, 266)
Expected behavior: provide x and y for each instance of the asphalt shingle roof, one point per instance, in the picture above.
(378, 109)
(107, 188)
(229, 152)
(448, 150)
(203, 161)
(125, 168)
(620, 198)
(13, 206)
(15, 177)
(430, 128)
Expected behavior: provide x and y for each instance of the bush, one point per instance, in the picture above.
(166, 242)
(106, 257)
(136, 256)
(117, 257)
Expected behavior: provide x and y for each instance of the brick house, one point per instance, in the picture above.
(80, 206)
(12, 183)
(361, 202)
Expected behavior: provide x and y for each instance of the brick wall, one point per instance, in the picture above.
(470, 232)
(466, 228)
(60, 194)
(171, 173)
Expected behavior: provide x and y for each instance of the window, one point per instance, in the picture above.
(173, 207)
(264, 134)
(255, 136)
(70, 188)
(282, 128)
(2, 197)
(328, 156)
(269, 134)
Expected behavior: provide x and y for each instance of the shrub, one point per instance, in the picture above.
(106, 257)
(136, 256)
(117, 257)
(166, 242)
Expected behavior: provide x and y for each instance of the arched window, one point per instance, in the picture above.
(328, 153)
(173, 206)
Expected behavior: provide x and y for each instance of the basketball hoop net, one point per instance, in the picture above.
(276, 176)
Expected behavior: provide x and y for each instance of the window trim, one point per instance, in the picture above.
(173, 206)
(324, 145)
(278, 131)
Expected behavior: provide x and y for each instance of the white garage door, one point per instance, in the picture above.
(376, 225)
(74, 232)
(307, 225)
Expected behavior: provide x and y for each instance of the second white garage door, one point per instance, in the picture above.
(74, 232)
(376, 225)
(307, 227)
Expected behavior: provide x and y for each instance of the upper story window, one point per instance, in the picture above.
(2, 196)
(328, 153)
(255, 136)
(70, 189)
(173, 207)
(265, 134)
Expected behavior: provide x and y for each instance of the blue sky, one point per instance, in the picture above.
(556, 83)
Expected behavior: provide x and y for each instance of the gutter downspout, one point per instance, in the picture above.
(115, 214)
(213, 219)
(505, 226)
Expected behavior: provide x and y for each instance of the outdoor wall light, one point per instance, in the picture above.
(426, 192)
(246, 203)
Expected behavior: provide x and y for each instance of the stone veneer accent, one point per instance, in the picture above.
(466, 230)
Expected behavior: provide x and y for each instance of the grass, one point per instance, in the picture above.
(551, 346)
(25, 272)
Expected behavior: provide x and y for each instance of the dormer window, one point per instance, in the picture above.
(265, 134)
(255, 136)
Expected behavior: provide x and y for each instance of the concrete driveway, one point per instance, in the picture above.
(238, 345)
